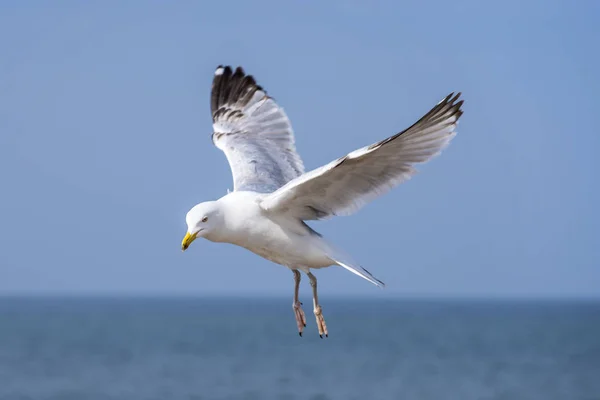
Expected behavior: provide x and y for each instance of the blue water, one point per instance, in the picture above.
(134, 349)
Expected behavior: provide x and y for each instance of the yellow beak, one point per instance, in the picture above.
(187, 240)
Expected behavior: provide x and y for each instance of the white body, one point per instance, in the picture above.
(285, 241)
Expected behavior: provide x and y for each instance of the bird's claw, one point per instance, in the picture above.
(321, 322)
(300, 317)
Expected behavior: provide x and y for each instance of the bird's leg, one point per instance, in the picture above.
(297, 306)
(317, 308)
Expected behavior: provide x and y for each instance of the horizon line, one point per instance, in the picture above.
(345, 296)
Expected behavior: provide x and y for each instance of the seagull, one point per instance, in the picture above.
(273, 196)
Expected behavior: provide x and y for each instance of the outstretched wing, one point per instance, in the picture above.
(348, 183)
(253, 132)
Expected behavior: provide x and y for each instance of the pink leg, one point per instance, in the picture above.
(317, 307)
(297, 306)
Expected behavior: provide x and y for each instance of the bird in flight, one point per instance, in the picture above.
(273, 196)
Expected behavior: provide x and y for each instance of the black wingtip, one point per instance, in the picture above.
(231, 88)
(455, 97)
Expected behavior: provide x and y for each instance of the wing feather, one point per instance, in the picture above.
(254, 133)
(345, 185)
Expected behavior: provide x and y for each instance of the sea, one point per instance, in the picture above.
(70, 348)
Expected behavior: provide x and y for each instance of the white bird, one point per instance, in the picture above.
(272, 195)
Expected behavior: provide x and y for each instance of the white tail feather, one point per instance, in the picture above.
(363, 273)
(343, 260)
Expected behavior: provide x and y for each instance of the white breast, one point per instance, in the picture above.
(281, 241)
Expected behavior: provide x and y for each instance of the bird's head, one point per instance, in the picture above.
(202, 220)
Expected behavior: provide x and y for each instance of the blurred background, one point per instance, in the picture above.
(105, 145)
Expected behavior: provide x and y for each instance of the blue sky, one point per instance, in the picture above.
(105, 142)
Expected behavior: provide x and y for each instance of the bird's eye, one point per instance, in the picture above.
(204, 219)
